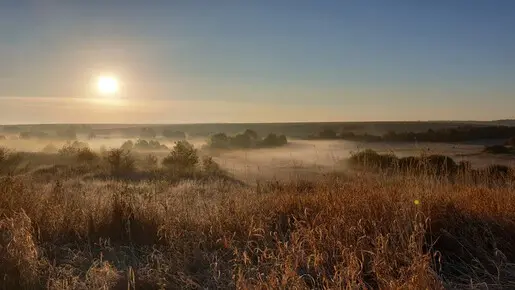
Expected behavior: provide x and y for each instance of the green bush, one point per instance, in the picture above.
(182, 158)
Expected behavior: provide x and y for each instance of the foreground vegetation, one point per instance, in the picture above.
(388, 230)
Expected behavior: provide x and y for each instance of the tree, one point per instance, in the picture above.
(86, 155)
(241, 141)
(182, 158)
(127, 145)
(251, 133)
(120, 161)
(219, 140)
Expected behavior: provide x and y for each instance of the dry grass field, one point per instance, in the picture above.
(358, 229)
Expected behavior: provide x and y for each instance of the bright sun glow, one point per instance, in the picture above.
(107, 85)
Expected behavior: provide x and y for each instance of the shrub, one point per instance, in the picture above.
(182, 158)
(120, 161)
(9, 161)
(150, 161)
(370, 158)
(464, 167)
(328, 134)
(409, 164)
(219, 141)
(210, 166)
(272, 140)
(72, 148)
(86, 155)
(242, 141)
(148, 145)
(439, 164)
(499, 171)
(251, 133)
(497, 149)
(127, 145)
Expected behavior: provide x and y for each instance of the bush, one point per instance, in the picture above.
(120, 161)
(241, 141)
(182, 158)
(9, 161)
(439, 164)
(210, 166)
(434, 164)
(328, 134)
(272, 140)
(72, 148)
(497, 149)
(248, 139)
(499, 171)
(252, 134)
(150, 161)
(219, 141)
(370, 158)
(86, 155)
(148, 145)
(127, 145)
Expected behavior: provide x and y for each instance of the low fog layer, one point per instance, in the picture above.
(299, 158)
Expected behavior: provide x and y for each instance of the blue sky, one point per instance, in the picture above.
(251, 61)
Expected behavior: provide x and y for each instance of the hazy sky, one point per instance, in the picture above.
(251, 61)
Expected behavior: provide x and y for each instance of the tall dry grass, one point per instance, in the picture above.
(340, 232)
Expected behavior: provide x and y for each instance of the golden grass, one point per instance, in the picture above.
(340, 232)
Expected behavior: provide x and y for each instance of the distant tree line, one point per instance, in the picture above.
(143, 145)
(247, 139)
(458, 134)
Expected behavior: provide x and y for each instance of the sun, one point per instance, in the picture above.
(107, 85)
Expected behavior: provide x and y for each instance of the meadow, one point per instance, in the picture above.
(296, 217)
